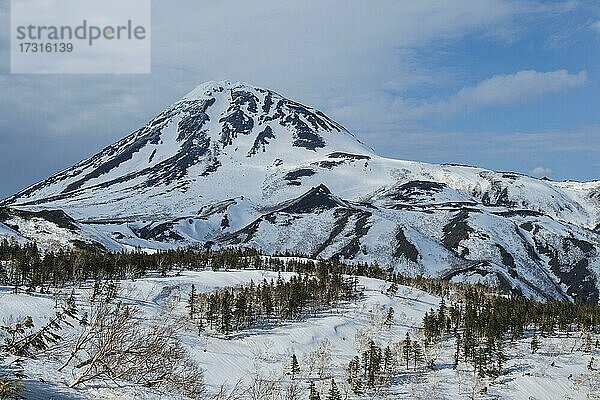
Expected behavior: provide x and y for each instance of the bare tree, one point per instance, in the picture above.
(319, 360)
(263, 388)
(116, 345)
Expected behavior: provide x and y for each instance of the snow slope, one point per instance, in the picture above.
(233, 164)
(557, 371)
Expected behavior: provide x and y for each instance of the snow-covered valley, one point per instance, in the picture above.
(563, 367)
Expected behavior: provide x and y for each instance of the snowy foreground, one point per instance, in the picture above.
(324, 344)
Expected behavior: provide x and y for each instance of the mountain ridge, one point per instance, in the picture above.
(231, 164)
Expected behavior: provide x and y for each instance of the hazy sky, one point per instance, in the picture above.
(508, 85)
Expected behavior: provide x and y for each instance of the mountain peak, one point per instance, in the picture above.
(207, 89)
(214, 132)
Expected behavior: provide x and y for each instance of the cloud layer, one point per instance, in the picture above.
(503, 90)
(381, 68)
(541, 172)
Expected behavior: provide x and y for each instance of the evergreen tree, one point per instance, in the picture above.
(313, 394)
(294, 367)
(535, 344)
(407, 349)
(334, 393)
(417, 354)
(388, 361)
(389, 317)
(456, 352)
(192, 302)
(354, 377)
(225, 308)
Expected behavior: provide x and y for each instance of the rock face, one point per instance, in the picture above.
(236, 165)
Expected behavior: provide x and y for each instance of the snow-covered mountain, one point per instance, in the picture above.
(236, 165)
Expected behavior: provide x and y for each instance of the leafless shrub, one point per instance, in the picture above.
(115, 345)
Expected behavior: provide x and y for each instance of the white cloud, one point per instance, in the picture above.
(352, 59)
(541, 172)
(337, 54)
(501, 90)
(596, 26)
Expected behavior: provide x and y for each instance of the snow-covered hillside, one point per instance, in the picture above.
(231, 164)
(327, 341)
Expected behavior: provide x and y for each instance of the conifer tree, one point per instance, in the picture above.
(192, 302)
(388, 361)
(535, 344)
(407, 349)
(389, 317)
(313, 394)
(294, 367)
(417, 354)
(334, 392)
(457, 352)
(354, 376)
(225, 323)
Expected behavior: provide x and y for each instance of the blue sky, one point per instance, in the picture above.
(507, 85)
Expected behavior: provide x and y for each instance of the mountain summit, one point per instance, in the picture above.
(222, 135)
(231, 164)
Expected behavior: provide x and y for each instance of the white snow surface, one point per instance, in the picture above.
(557, 371)
(220, 166)
(259, 177)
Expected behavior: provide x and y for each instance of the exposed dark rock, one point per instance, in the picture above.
(404, 248)
(519, 213)
(118, 158)
(304, 137)
(57, 217)
(579, 280)
(211, 209)
(211, 168)
(584, 246)
(266, 107)
(193, 119)
(241, 97)
(531, 252)
(235, 124)
(191, 152)
(328, 164)
(305, 123)
(508, 260)
(410, 190)
(470, 267)
(316, 200)
(497, 197)
(225, 222)
(261, 141)
(456, 231)
(528, 226)
(244, 235)
(361, 229)
(342, 218)
(299, 173)
(151, 156)
(339, 154)
(161, 233)
(189, 130)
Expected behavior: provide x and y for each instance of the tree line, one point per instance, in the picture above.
(482, 325)
(268, 302)
(26, 266)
